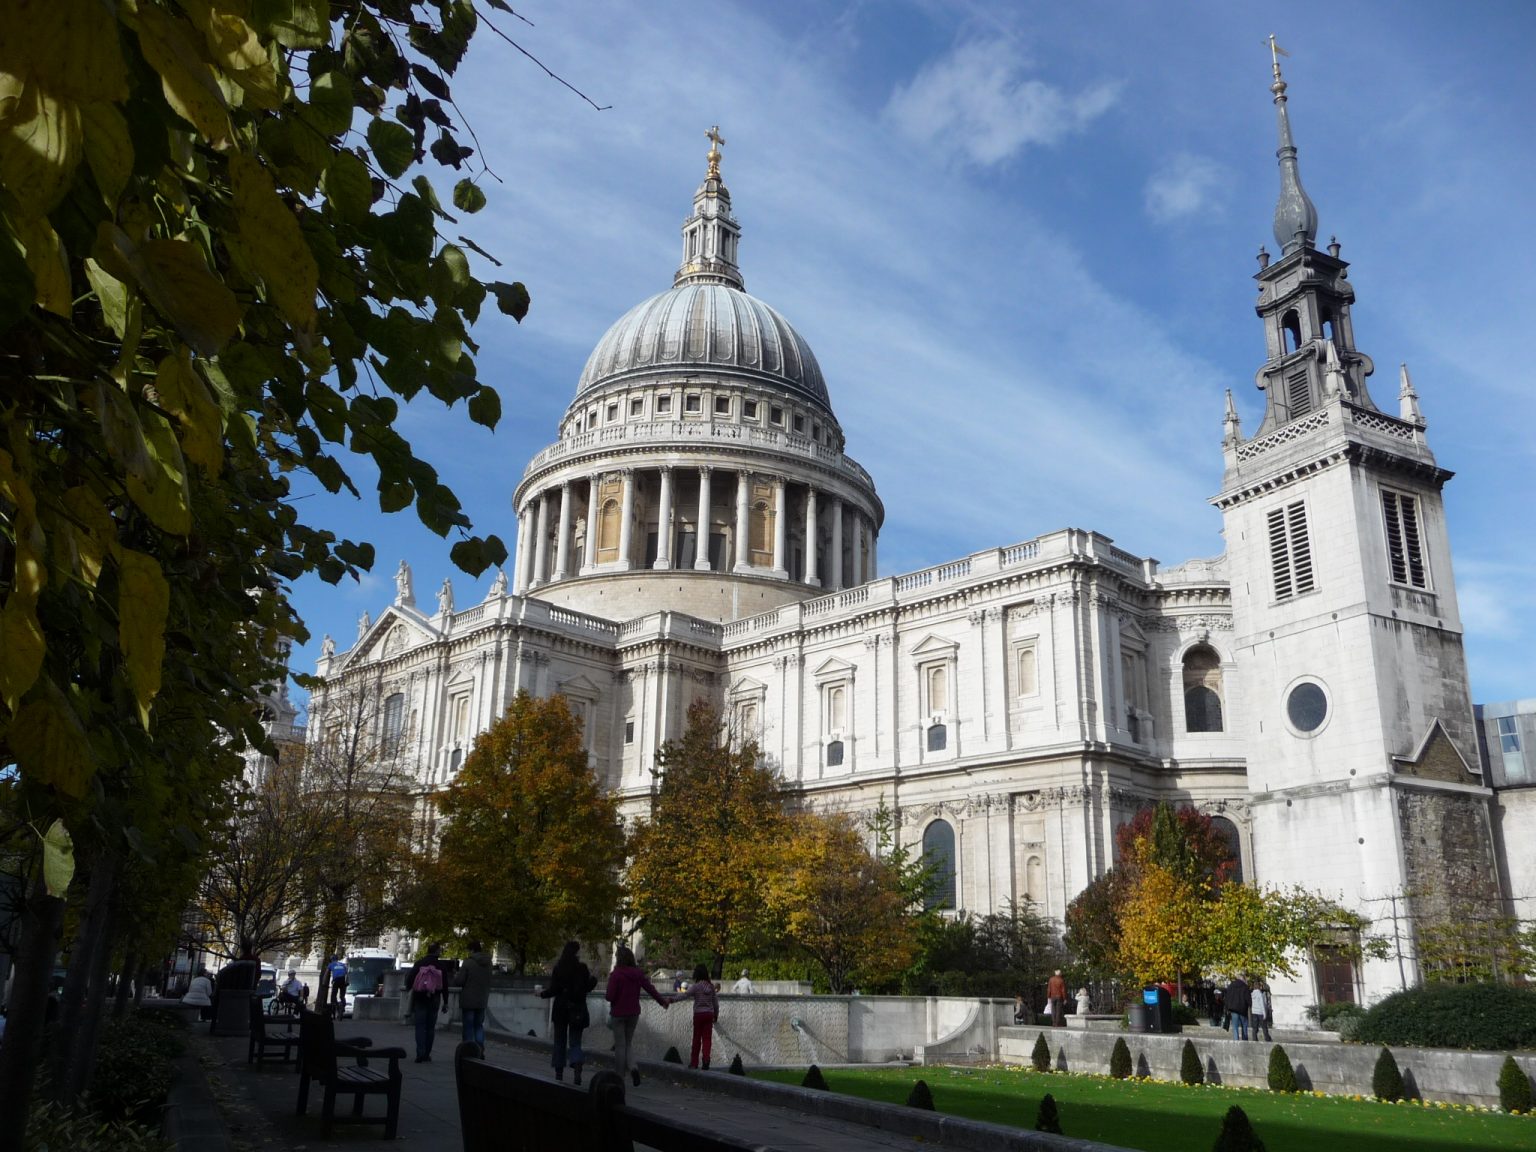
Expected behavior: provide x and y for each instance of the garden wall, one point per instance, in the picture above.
(1342, 1069)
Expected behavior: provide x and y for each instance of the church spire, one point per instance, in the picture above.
(1295, 215)
(711, 234)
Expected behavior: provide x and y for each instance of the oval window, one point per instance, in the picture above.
(1307, 707)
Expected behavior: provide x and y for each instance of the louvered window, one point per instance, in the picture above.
(1290, 550)
(1298, 394)
(1405, 547)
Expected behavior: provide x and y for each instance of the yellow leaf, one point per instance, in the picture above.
(235, 47)
(21, 648)
(165, 497)
(143, 599)
(50, 744)
(121, 431)
(188, 82)
(108, 149)
(70, 47)
(176, 279)
(46, 259)
(185, 396)
(95, 533)
(39, 149)
(273, 242)
(58, 859)
(111, 294)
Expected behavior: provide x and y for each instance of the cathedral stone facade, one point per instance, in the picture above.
(697, 531)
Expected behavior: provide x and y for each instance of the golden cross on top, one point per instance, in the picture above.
(715, 139)
(1275, 52)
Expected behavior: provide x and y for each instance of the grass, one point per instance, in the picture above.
(1158, 1116)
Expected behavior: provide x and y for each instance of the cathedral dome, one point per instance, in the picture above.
(713, 327)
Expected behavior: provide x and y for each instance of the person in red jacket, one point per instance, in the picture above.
(1056, 999)
(623, 996)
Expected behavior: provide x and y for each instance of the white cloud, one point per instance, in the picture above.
(977, 100)
(1186, 185)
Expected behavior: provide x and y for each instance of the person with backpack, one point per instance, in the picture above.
(426, 982)
(337, 969)
(569, 984)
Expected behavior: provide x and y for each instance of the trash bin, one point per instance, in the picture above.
(1138, 1018)
(233, 988)
(1159, 1007)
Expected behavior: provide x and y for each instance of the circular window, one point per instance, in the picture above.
(1307, 707)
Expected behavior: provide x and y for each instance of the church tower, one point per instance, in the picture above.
(1362, 757)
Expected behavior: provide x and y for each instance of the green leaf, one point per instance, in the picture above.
(511, 299)
(348, 188)
(175, 277)
(50, 744)
(108, 149)
(274, 242)
(485, 407)
(425, 190)
(329, 110)
(165, 497)
(184, 395)
(16, 288)
(143, 601)
(408, 232)
(393, 146)
(295, 23)
(171, 49)
(467, 196)
(111, 294)
(58, 859)
(40, 143)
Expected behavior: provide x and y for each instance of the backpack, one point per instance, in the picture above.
(429, 979)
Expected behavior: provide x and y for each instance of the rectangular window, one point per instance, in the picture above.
(394, 721)
(458, 709)
(629, 731)
(663, 404)
(775, 415)
(1290, 550)
(693, 403)
(837, 709)
(613, 413)
(1405, 546)
(1509, 735)
(936, 688)
(799, 423)
(722, 405)
(749, 409)
(637, 407)
(1025, 680)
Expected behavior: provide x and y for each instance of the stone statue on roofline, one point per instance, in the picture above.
(403, 594)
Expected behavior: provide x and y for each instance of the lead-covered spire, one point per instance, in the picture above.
(711, 234)
(1295, 215)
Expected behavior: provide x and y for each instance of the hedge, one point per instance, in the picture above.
(1481, 1016)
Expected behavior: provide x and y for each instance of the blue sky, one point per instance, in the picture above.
(1020, 239)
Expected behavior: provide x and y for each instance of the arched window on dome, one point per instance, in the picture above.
(760, 519)
(1202, 690)
(608, 531)
(939, 855)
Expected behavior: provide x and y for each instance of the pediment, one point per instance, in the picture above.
(578, 687)
(833, 668)
(396, 631)
(747, 686)
(932, 647)
(1438, 758)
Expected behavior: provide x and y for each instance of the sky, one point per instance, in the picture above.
(1020, 238)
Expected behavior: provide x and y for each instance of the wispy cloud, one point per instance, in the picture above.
(977, 100)
(1184, 186)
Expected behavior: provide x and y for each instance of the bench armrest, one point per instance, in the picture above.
(355, 1042)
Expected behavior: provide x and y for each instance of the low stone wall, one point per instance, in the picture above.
(1342, 1069)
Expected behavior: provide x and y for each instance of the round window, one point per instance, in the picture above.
(1307, 707)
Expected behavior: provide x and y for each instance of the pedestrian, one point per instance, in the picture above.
(1020, 1009)
(338, 970)
(1056, 999)
(743, 985)
(475, 980)
(1259, 1009)
(291, 995)
(426, 981)
(706, 1009)
(569, 983)
(200, 995)
(623, 996)
(1236, 1000)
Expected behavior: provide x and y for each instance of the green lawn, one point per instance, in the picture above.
(1161, 1117)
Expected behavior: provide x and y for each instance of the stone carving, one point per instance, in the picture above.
(327, 647)
(364, 622)
(403, 593)
(445, 598)
(1207, 622)
(395, 640)
(498, 585)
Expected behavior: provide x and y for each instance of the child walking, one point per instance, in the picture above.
(706, 1006)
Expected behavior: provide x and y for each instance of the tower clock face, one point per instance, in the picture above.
(1306, 707)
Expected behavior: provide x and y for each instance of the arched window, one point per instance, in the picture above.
(760, 533)
(1034, 880)
(834, 754)
(1228, 832)
(939, 855)
(1291, 325)
(1202, 690)
(608, 531)
(938, 737)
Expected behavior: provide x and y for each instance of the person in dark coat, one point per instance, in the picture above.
(1236, 1000)
(474, 978)
(569, 984)
(427, 996)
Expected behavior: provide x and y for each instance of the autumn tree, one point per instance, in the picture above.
(703, 861)
(533, 846)
(839, 904)
(1162, 926)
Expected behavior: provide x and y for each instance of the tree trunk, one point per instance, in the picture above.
(41, 917)
(90, 940)
(83, 1059)
(126, 980)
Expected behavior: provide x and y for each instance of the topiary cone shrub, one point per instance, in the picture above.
(1048, 1119)
(920, 1096)
(1191, 1071)
(736, 1069)
(1386, 1080)
(1282, 1077)
(1120, 1060)
(1514, 1087)
(673, 1056)
(1040, 1055)
(1237, 1134)
(814, 1079)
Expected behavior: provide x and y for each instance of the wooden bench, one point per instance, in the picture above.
(505, 1111)
(321, 1061)
(268, 1033)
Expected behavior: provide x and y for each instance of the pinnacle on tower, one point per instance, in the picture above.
(711, 234)
(1295, 215)
(1231, 424)
(1407, 398)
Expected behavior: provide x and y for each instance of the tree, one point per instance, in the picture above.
(533, 845)
(1093, 923)
(1162, 933)
(702, 862)
(1253, 929)
(840, 904)
(210, 277)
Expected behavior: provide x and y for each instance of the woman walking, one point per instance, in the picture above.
(623, 996)
(569, 984)
(706, 1007)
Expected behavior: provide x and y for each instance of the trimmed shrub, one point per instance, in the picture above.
(814, 1079)
(1040, 1054)
(1282, 1077)
(1120, 1060)
(1191, 1071)
(133, 1070)
(1486, 1016)
(1237, 1134)
(920, 1096)
(736, 1069)
(673, 1056)
(53, 1125)
(1048, 1119)
(1386, 1080)
(1514, 1087)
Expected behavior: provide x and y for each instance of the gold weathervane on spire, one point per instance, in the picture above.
(1275, 52)
(715, 139)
